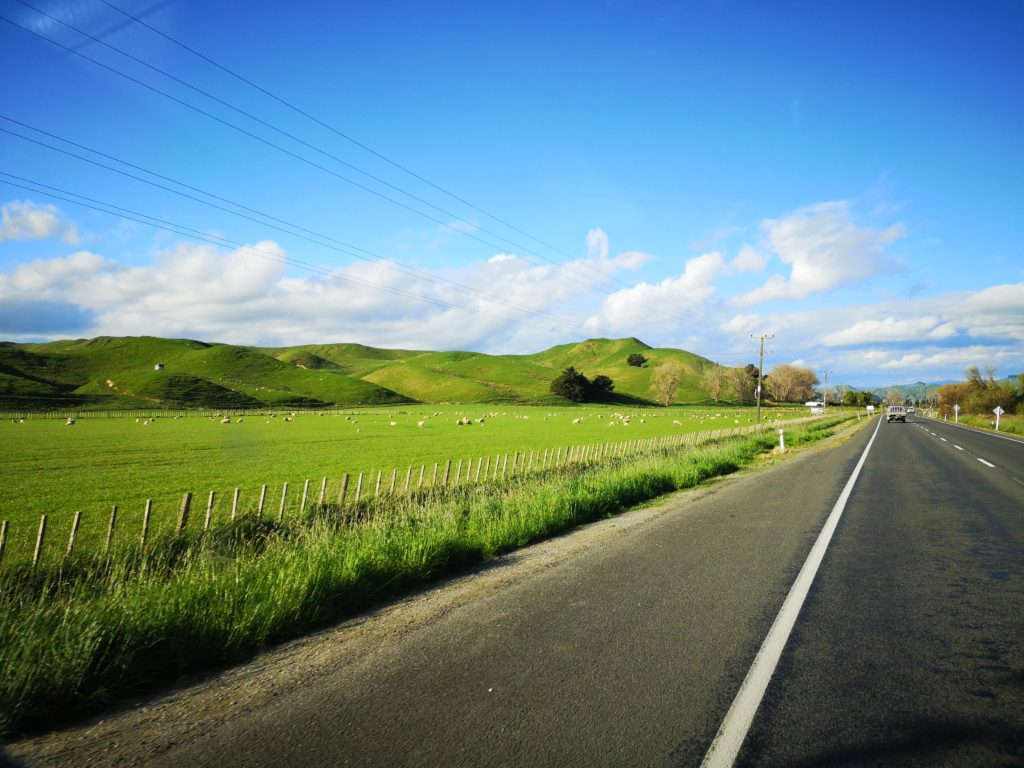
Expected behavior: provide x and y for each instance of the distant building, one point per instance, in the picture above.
(158, 367)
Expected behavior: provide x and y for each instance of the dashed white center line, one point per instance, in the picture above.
(957, 447)
(943, 439)
(987, 464)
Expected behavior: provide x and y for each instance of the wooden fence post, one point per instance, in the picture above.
(359, 487)
(423, 468)
(447, 471)
(343, 489)
(458, 473)
(186, 504)
(433, 480)
(74, 532)
(376, 488)
(394, 480)
(234, 504)
(284, 498)
(479, 462)
(39, 541)
(408, 479)
(323, 491)
(110, 529)
(209, 510)
(3, 539)
(263, 499)
(487, 469)
(145, 522)
(305, 497)
(504, 464)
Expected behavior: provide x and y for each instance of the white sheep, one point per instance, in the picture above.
(421, 423)
(69, 422)
(226, 420)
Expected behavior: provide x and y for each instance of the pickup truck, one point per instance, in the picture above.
(896, 413)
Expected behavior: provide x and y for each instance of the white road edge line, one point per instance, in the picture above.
(987, 464)
(957, 447)
(733, 730)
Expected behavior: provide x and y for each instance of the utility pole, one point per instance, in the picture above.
(760, 366)
(824, 397)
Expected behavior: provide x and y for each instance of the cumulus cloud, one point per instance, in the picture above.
(25, 220)
(953, 359)
(625, 310)
(825, 249)
(888, 329)
(748, 260)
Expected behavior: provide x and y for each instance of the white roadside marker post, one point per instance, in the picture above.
(782, 442)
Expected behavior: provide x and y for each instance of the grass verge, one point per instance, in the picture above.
(83, 634)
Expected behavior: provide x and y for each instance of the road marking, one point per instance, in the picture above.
(957, 447)
(987, 464)
(734, 728)
(943, 439)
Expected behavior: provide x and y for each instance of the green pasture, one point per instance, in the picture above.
(54, 469)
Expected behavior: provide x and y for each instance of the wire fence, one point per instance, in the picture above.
(57, 536)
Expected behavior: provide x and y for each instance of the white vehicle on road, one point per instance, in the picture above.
(896, 413)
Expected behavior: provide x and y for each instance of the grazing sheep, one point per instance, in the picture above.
(69, 422)
(238, 420)
(421, 423)
(288, 419)
(576, 421)
(677, 422)
(226, 420)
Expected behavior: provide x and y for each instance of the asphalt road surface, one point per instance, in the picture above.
(626, 644)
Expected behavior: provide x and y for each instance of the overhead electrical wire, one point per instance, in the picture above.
(605, 278)
(312, 236)
(278, 147)
(206, 237)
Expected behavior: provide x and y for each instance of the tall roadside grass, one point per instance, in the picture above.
(79, 635)
(1008, 422)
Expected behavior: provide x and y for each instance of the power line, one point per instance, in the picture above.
(217, 240)
(604, 278)
(340, 247)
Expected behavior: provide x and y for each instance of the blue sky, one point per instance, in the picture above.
(848, 176)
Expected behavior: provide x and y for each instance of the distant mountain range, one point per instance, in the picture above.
(132, 372)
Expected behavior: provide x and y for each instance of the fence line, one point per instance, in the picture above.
(516, 464)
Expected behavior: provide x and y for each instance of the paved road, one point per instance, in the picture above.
(630, 652)
(909, 650)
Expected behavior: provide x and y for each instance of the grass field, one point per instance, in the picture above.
(54, 469)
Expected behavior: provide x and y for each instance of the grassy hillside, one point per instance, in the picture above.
(120, 373)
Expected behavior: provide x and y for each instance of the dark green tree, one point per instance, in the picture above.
(601, 387)
(572, 385)
(636, 359)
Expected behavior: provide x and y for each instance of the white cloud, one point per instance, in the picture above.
(925, 327)
(748, 260)
(24, 220)
(957, 358)
(625, 310)
(825, 250)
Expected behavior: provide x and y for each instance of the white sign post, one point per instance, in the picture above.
(956, 413)
(998, 411)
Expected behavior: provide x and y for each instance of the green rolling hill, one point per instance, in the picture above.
(123, 372)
